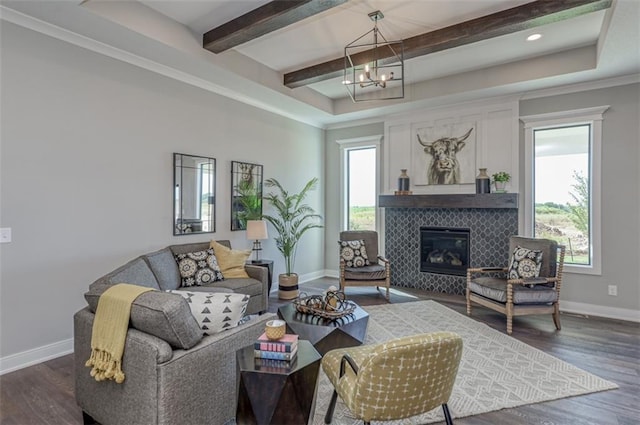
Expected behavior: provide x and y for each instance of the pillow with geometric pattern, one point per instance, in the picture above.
(354, 253)
(198, 268)
(525, 263)
(215, 312)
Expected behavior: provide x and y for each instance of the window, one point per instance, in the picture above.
(562, 183)
(359, 183)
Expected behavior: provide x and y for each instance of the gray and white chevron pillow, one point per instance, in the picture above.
(215, 312)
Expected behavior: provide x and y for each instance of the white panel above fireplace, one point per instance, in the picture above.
(493, 144)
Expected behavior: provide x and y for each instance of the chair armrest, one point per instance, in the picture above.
(384, 260)
(487, 269)
(347, 359)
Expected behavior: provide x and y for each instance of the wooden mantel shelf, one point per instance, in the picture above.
(465, 200)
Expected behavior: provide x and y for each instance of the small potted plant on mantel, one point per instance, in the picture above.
(500, 180)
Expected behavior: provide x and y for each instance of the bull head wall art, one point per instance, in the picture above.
(444, 155)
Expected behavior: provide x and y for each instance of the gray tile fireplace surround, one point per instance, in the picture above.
(489, 242)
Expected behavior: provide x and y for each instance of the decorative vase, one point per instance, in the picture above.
(288, 286)
(403, 181)
(483, 182)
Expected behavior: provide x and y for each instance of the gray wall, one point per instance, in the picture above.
(86, 174)
(620, 188)
(332, 191)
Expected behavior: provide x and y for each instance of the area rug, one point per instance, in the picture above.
(496, 371)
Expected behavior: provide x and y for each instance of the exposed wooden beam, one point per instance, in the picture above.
(265, 19)
(530, 15)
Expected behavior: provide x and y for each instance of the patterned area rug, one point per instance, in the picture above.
(496, 370)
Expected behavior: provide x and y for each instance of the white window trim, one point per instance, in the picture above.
(592, 116)
(345, 146)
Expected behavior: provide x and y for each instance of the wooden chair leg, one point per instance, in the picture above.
(468, 302)
(447, 415)
(332, 405)
(556, 316)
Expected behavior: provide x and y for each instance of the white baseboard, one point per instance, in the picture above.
(600, 311)
(308, 277)
(27, 358)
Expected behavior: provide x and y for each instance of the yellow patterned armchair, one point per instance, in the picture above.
(396, 379)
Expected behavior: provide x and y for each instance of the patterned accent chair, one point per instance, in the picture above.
(396, 379)
(377, 273)
(498, 289)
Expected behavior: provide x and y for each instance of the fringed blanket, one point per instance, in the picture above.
(110, 331)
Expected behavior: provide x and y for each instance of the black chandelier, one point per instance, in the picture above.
(374, 70)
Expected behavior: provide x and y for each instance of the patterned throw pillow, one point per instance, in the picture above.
(525, 263)
(215, 312)
(198, 268)
(354, 253)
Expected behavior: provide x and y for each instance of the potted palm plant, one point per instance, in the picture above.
(292, 219)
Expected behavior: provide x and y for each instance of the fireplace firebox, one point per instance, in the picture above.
(444, 250)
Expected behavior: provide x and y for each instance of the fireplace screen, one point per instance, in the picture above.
(444, 250)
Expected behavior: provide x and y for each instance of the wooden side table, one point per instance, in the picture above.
(269, 394)
(264, 263)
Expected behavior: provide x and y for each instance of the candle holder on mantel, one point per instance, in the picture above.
(403, 183)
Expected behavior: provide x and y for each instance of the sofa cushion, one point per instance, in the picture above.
(198, 268)
(161, 314)
(354, 253)
(496, 289)
(370, 272)
(240, 285)
(231, 261)
(525, 263)
(135, 272)
(165, 268)
(215, 312)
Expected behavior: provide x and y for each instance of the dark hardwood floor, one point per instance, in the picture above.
(44, 394)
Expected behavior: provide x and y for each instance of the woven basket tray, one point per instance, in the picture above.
(344, 308)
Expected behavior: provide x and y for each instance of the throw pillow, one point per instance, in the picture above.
(215, 312)
(198, 268)
(231, 261)
(525, 263)
(354, 253)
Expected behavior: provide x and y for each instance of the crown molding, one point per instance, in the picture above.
(579, 87)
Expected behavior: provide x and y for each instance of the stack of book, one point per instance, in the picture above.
(284, 348)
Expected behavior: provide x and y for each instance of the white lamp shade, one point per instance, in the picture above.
(256, 229)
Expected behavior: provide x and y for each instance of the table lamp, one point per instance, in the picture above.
(256, 231)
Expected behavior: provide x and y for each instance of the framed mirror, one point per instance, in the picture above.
(194, 194)
(246, 193)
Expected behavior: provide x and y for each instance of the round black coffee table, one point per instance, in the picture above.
(325, 334)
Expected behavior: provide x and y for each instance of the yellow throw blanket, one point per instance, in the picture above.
(110, 331)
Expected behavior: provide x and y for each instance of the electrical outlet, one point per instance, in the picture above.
(613, 290)
(5, 235)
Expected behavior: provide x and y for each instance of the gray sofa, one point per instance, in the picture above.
(174, 374)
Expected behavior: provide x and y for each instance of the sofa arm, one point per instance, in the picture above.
(133, 401)
(258, 273)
